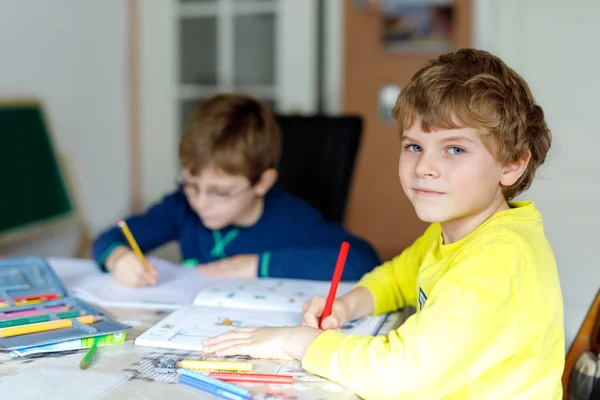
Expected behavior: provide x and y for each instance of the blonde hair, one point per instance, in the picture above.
(473, 88)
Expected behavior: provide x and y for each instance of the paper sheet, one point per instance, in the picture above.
(54, 383)
(176, 285)
(264, 294)
(186, 328)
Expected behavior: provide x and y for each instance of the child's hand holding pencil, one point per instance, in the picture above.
(129, 266)
(333, 313)
(129, 270)
(355, 304)
(313, 311)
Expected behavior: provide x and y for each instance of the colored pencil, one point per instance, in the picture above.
(34, 311)
(215, 384)
(39, 318)
(132, 242)
(337, 276)
(22, 303)
(46, 326)
(214, 390)
(218, 365)
(245, 377)
(87, 358)
(47, 296)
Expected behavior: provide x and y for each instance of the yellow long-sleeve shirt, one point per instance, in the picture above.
(489, 321)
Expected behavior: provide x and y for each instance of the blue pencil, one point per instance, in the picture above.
(205, 387)
(214, 382)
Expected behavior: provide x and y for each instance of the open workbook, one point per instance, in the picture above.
(221, 305)
(178, 286)
(186, 328)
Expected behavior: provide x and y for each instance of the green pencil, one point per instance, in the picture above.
(87, 359)
(38, 318)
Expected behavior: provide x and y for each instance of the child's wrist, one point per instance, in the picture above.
(115, 256)
(358, 303)
(300, 340)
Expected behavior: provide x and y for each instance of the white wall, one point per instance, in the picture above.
(555, 46)
(334, 56)
(72, 55)
(159, 113)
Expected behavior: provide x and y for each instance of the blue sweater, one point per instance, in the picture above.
(291, 238)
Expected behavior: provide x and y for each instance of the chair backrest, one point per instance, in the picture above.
(318, 157)
(587, 339)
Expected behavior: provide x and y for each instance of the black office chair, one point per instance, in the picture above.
(318, 157)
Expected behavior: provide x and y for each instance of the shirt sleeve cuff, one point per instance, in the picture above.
(318, 355)
(106, 254)
(263, 265)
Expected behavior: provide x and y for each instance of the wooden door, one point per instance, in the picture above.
(378, 209)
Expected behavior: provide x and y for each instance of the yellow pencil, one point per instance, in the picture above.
(27, 302)
(218, 365)
(22, 303)
(136, 249)
(46, 326)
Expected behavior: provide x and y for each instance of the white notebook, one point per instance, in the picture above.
(186, 328)
(176, 286)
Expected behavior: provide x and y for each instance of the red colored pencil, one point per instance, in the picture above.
(337, 275)
(245, 377)
(48, 296)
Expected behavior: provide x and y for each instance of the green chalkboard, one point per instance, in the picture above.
(33, 189)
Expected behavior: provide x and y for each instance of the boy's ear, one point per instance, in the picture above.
(266, 181)
(514, 170)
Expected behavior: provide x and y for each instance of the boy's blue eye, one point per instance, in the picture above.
(415, 148)
(455, 150)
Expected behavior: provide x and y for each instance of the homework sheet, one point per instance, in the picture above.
(176, 285)
(265, 293)
(186, 328)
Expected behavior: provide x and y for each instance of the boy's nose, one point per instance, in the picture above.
(427, 166)
(202, 201)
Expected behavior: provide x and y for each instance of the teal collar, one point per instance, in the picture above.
(218, 251)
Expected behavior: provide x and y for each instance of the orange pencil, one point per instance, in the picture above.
(337, 276)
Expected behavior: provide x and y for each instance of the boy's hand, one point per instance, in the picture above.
(313, 309)
(129, 270)
(241, 266)
(288, 343)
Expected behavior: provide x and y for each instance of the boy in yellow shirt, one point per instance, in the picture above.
(489, 321)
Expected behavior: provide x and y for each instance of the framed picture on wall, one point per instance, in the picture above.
(414, 26)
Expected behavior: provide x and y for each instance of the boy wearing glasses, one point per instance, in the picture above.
(228, 218)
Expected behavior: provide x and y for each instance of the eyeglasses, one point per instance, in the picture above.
(192, 190)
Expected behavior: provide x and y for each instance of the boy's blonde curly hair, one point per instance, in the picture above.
(473, 88)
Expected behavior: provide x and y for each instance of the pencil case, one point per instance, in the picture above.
(29, 288)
